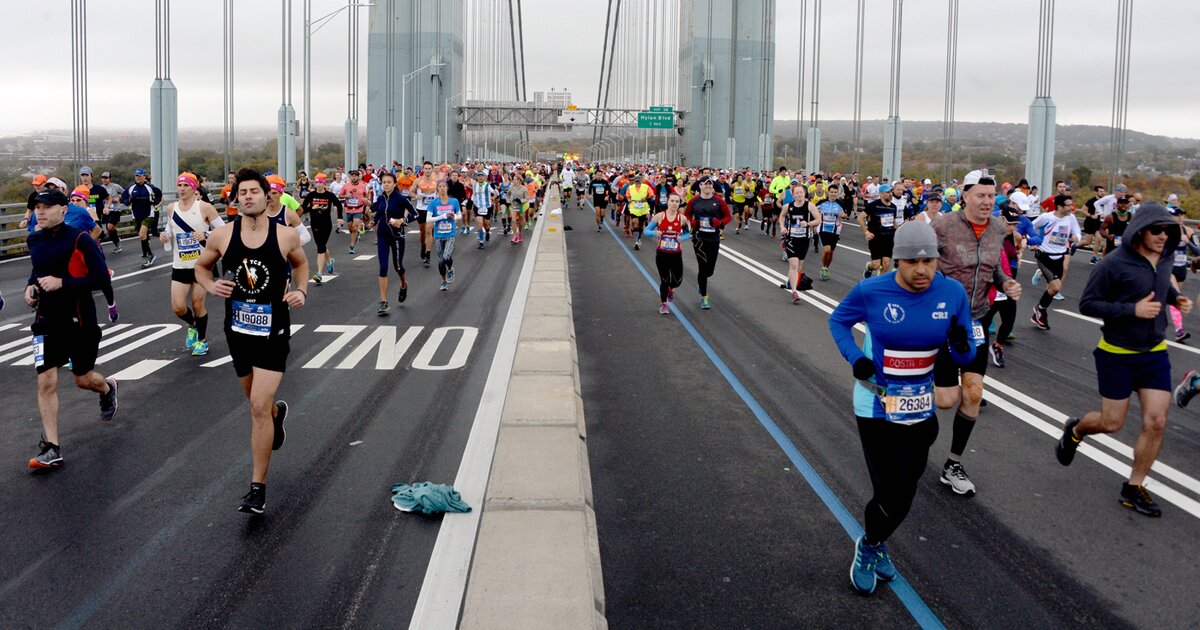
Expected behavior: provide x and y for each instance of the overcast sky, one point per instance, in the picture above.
(996, 61)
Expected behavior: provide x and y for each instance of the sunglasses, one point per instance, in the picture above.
(1157, 229)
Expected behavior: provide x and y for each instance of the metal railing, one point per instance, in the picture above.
(12, 236)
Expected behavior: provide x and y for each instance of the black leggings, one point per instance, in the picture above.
(1008, 318)
(706, 261)
(389, 247)
(321, 229)
(896, 455)
(670, 272)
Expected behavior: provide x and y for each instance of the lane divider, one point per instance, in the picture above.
(904, 591)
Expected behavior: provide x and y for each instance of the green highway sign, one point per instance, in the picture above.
(656, 120)
(662, 108)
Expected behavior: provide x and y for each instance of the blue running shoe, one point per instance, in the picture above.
(704, 303)
(884, 569)
(1037, 277)
(862, 570)
(200, 349)
(193, 336)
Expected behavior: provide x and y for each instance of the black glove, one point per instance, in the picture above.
(864, 368)
(959, 339)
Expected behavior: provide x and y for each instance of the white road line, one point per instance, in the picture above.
(28, 343)
(1173, 344)
(445, 582)
(8, 327)
(364, 257)
(1050, 428)
(229, 358)
(324, 278)
(142, 369)
(144, 335)
(14, 259)
(141, 271)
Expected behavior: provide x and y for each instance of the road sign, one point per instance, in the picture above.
(573, 117)
(656, 120)
(662, 108)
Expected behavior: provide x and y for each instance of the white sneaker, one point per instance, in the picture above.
(955, 476)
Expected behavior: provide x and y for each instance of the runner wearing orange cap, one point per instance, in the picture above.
(188, 224)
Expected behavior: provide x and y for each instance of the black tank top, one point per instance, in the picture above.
(280, 218)
(256, 308)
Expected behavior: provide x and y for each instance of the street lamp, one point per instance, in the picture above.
(446, 124)
(310, 27)
(404, 108)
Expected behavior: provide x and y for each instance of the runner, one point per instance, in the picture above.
(797, 222)
(878, 223)
(519, 201)
(483, 196)
(502, 186)
(600, 197)
(458, 190)
(114, 192)
(142, 198)
(708, 213)
(769, 203)
(1060, 231)
(189, 220)
(672, 228)
(422, 192)
(970, 245)
(639, 195)
(1001, 305)
(67, 266)
(1179, 269)
(737, 202)
(444, 211)
(318, 205)
(1130, 296)
(392, 212)
(354, 198)
(259, 256)
(910, 315)
(833, 211)
(97, 206)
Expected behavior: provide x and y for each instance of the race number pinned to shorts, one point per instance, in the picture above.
(187, 245)
(39, 350)
(252, 319)
(908, 402)
(977, 333)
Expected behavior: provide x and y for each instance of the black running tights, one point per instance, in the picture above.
(896, 455)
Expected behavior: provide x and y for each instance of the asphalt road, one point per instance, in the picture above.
(140, 526)
(706, 522)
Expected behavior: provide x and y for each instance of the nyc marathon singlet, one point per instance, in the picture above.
(669, 233)
(187, 242)
(256, 308)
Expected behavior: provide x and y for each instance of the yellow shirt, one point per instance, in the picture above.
(637, 199)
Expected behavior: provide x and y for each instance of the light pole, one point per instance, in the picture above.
(404, 108)
(446, 124)
(312, 26)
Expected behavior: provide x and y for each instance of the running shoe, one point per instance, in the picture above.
(997, 354)
(1037, 277)
(737, 230)
(795, 297)
(147, 262)
(351, 250)
(480, 246)
(402, 295)
(317, 278)
(955, 476)
(255, 501)
(599, 229)
(704, 303)
(108, 401)
(49, 456)
(1137, 499)
(884, 569)
(1186, 390)
(824, 273)
(1074, 248)
(1039, 318)
(450, 276)
(281, 410)
(112, 311)
(1067, 443)
(867, 271)
(1058, 297)
(637, 245)
(383, 309)
(1182, 335)
(200, 349)
(444, 286)
(1093, 260)
(663, 309)
(117, 249)
(193, 336)
(862, 569)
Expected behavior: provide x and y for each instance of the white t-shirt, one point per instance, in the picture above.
(872, 192)
(1057, 232)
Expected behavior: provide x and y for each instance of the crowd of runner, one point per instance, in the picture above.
(938, 297)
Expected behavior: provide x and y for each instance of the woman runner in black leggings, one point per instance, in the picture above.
(391, 213)
(318, 204)
(671, 228)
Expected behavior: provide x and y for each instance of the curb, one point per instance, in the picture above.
(537, 556)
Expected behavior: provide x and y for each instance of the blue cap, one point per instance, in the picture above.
(140, 171)
(885, 188)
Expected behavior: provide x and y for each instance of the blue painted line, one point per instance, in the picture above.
(903, 590)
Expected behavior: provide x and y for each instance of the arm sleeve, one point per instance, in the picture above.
(97, 270)
(1094, 303)
(852, 310)
(727, 216)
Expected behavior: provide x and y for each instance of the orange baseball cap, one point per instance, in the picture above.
(39, 179)
(81, 191)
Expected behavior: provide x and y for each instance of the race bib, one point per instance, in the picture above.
(1057, 239)
(908, 402)
(187, 245)
(662, 199)
(1117, 241)
(445, 227)
(887, 220)
(706, 225)
(798, 230)
(828, 224)
(251, 319)
(423, 201)
(39, 350)
(669, 243)
(1181, 258)
(977, 333)
(352, 202)
(639, 207)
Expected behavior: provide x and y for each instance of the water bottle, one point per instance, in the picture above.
(167, 245)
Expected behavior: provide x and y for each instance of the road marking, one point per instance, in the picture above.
(142, 369)
(1050, 428)
(390, 350)
(424, 360)
(143, 337)
(364, 257)
(8, 327)
(347, 333)
(445, 583)
(27, 342)
(1098, 322)
(903, 590)
(229, 358)
(142, 271)
(324, 278)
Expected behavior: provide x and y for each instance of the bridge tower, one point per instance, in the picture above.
(414, 65)
(727, 82)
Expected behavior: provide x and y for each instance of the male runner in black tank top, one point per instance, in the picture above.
(257, 255)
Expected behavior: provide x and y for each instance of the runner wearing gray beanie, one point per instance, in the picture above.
(915, 240)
